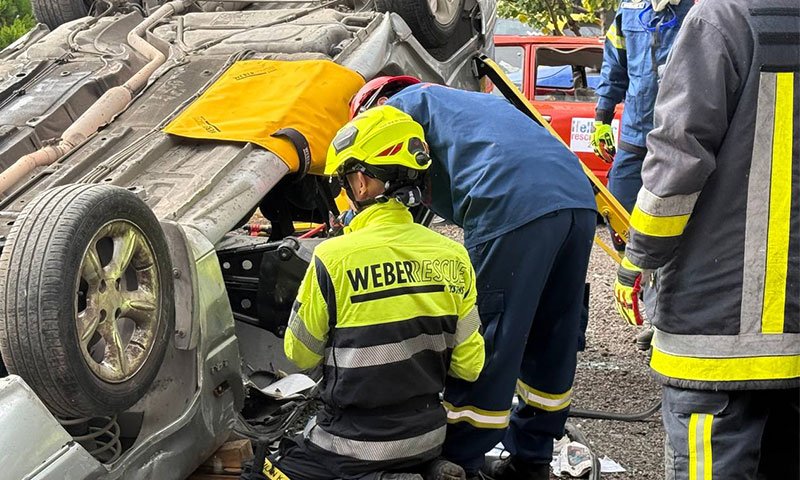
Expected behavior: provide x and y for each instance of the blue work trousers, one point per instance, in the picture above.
(625, 177)
(531, 285)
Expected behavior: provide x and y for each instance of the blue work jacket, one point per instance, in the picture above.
(494, 169)
(636, 45)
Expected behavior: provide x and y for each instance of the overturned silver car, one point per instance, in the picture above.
(140, 325)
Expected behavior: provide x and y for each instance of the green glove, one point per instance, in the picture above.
(603, 141)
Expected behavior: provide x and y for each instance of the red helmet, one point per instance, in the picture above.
(373, 90)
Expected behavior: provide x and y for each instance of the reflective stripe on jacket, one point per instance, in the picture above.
(389, 311)
(631, 60)
(720, 206)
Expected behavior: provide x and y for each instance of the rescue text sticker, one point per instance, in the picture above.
(272, 472)
(580, 137)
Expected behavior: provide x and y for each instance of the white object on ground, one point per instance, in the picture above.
(574, 460)
(559, 444)
(610, 466)
(569, 458)
(288, 387)
(499, 452)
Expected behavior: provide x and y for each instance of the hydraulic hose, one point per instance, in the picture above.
(622, 417)
(643, 342)
(110, 104)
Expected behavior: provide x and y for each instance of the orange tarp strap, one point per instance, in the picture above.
(254, 99)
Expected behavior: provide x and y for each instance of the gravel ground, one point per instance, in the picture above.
(612, 375)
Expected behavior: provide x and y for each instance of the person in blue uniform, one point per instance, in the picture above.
(635, 52)
(528, 214)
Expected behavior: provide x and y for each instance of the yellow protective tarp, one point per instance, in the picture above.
(254, 99)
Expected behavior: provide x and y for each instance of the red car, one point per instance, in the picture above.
(559, 75)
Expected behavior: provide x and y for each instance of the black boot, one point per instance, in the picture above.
(513, 469)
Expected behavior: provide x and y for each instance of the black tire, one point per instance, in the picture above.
(56, 12)
(40, 277)
(430, 32)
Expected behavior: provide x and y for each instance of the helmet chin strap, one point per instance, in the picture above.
(362, 204)
(410, 196)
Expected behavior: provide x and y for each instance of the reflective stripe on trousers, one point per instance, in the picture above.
(550, 402)
(700, 456)
(731, 435)
(477, 417)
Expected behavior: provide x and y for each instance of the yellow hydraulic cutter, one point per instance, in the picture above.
(608, 206)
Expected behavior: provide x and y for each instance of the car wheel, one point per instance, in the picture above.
(86, 299)
(433, 22)
(56, 12)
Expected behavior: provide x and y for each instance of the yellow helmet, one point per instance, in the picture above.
(379, 137)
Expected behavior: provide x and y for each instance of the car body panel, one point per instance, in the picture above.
(571, 115)
(30, 428)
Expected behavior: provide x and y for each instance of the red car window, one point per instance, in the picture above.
(567, 75)
(511, 59)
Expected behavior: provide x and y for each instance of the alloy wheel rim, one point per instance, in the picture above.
(117, 302)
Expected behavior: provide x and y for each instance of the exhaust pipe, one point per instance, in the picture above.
(110, 104)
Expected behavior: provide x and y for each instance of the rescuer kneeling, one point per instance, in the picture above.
(389, 310)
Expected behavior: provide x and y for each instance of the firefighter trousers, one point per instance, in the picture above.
(625, 177)
(735, 435)
(531, 289)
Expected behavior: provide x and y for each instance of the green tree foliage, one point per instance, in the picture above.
(16, 18)
(553, 17)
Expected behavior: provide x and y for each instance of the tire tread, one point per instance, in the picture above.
(32, 267)
(420, 20)
(56, 12)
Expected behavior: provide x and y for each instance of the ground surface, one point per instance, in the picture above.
(613, 375)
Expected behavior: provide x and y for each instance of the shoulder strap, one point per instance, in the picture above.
(300, 144)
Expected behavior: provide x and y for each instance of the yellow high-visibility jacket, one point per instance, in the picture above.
(389, 310)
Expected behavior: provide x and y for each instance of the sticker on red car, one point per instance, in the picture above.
(580, 137)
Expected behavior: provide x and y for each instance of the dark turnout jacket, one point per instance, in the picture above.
(719, 212)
